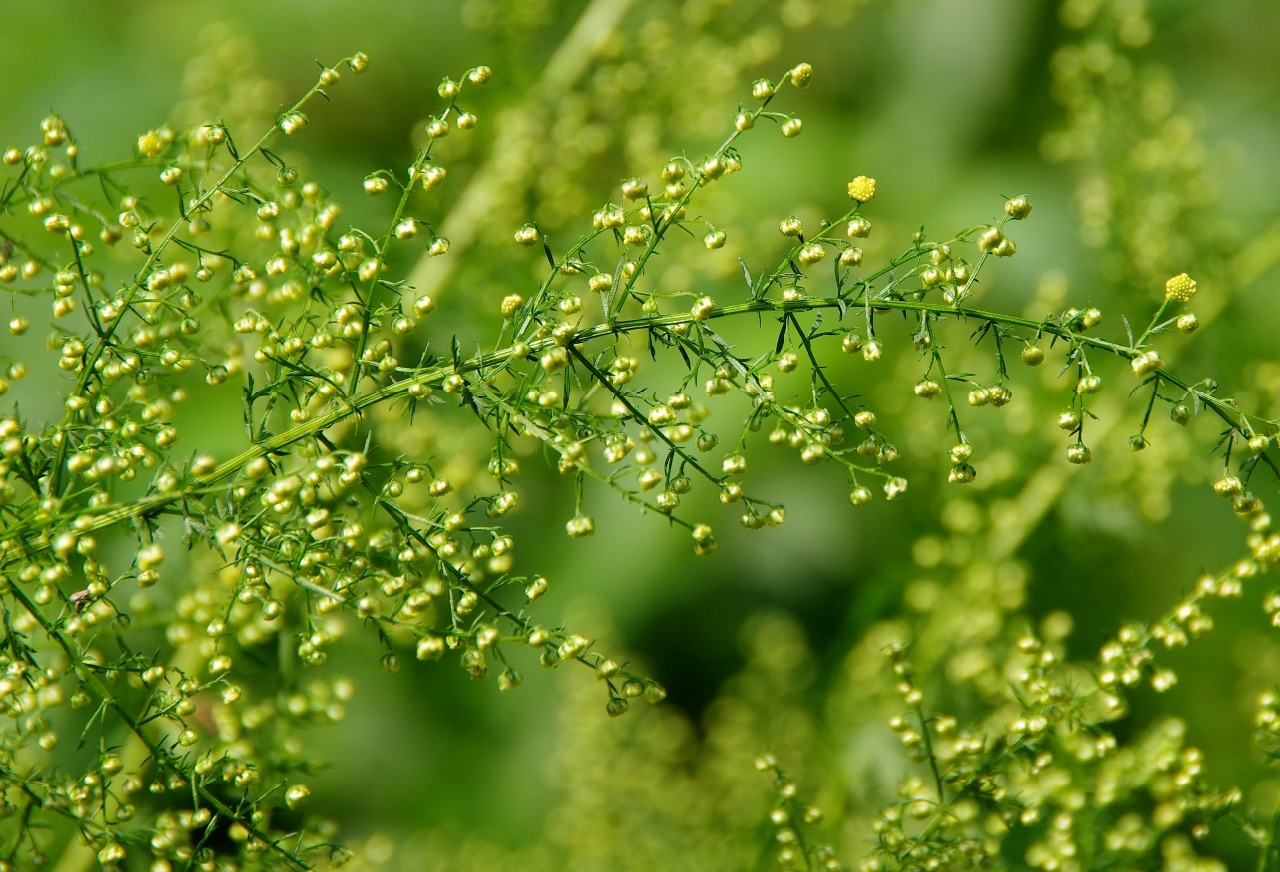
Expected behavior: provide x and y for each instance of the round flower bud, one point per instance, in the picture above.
(1032, 355)
(895, 488)
(1069, 420)
(1145, 364)
(990, 238)
(864, 419)
(1180, 289)
(811, 254)
(860, 496)
(555, 359)
(1079, 453)
(813, 454)
(790, 226)
(359, 62)
(1259, 443)
(572, 647)
(661, 415)
(791, 127)
(150, 144)
(713, 240)
(762, 89)
(851, 257)
(580, 526)
(927, 389)
(872, 351)
(292, 122)
(1017, 208)
(801, 75)
(1228, 486)
(1188, 323)
(961, 473)
(113, 852)
(432, 176)
(859, 228)
(536, 588)
(862, 189)
(1245, 503)
(564, 334)
(480, 75)
(1180, 413)
(528, 235)
(850, 343)
(1090, 384)
(296, 793)
(702, 308)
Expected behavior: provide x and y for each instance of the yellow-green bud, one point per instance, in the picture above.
(1180, 289)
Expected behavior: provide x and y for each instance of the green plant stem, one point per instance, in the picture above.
(474, 207)
(94, 520)
(158, 754)
(88, 370)
(1269, 856)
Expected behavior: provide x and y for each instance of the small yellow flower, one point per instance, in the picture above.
(150, 144)
(862, 189)
(1180, 289)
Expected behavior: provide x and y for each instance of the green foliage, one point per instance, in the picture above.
(259, 433)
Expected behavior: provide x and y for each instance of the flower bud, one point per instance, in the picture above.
(862, 189)
(1017, 208)
(1180, 289)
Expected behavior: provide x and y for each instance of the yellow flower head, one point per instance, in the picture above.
(150, 144)
(862, 189)
(1180, 289)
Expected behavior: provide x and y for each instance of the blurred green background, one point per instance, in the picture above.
(950, 105)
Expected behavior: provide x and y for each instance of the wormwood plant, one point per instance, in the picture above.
(262, 436)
